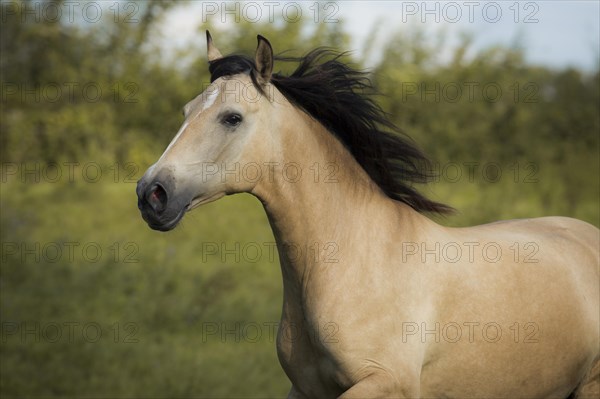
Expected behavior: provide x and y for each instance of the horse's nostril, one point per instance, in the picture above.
(157, 198)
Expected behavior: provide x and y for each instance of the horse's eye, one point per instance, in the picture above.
(232, 120)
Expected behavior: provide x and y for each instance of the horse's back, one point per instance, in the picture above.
(563, 236)
(574, 230)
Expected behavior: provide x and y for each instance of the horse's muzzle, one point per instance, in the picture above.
(157, 205)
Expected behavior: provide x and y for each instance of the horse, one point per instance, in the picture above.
(385, 302)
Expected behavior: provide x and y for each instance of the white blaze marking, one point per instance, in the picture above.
(210, 100)
(181, 129)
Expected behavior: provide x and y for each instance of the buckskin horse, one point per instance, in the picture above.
(387, 318)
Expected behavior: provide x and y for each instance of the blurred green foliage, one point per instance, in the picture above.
(156, 296)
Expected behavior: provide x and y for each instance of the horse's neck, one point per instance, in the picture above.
(315, 216)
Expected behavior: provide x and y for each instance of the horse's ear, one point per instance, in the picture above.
(213, 52)
(264, 59)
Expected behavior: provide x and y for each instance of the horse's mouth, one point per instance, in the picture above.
(169, 225)
(201, 200)
(194, 203)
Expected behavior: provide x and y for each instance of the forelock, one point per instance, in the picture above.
(229, 66)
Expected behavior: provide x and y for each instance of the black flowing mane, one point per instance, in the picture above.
(339, 98)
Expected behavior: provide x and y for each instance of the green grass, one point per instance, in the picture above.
(172, 316)
(158, 294)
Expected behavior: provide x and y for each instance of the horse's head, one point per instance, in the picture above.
(224, 130)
